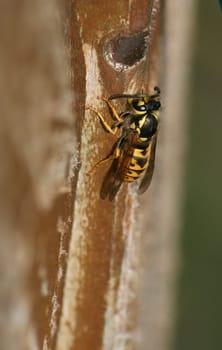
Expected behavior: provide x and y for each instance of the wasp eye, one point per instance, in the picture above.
(154, 105)
(157, 105)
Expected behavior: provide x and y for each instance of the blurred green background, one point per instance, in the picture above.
(199, 302)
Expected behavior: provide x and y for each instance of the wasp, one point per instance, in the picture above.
(133, 154)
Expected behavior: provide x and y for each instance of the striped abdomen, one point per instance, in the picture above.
(138, 163)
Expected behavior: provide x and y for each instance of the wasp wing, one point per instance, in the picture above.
(149, 171)
(109, 181)
(115, 175)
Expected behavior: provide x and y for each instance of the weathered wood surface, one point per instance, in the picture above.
(70, 262)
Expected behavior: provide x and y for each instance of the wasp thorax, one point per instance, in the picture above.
(149, 127)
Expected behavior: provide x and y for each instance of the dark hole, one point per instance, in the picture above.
(127, 50)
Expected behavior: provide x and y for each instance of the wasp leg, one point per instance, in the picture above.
(114, 155)
(111, 156)
(112, 110)
(107, 127)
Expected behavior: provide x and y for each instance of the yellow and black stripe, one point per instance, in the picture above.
(139, 162)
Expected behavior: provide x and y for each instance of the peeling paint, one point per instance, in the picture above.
(66, 334)
(62, 228)
(53, 319)
(60, 274)
(45, 343)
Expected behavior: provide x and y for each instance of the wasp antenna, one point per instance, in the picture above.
(157, 94)
(136, 96)
(157, 89)
(113, 97)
